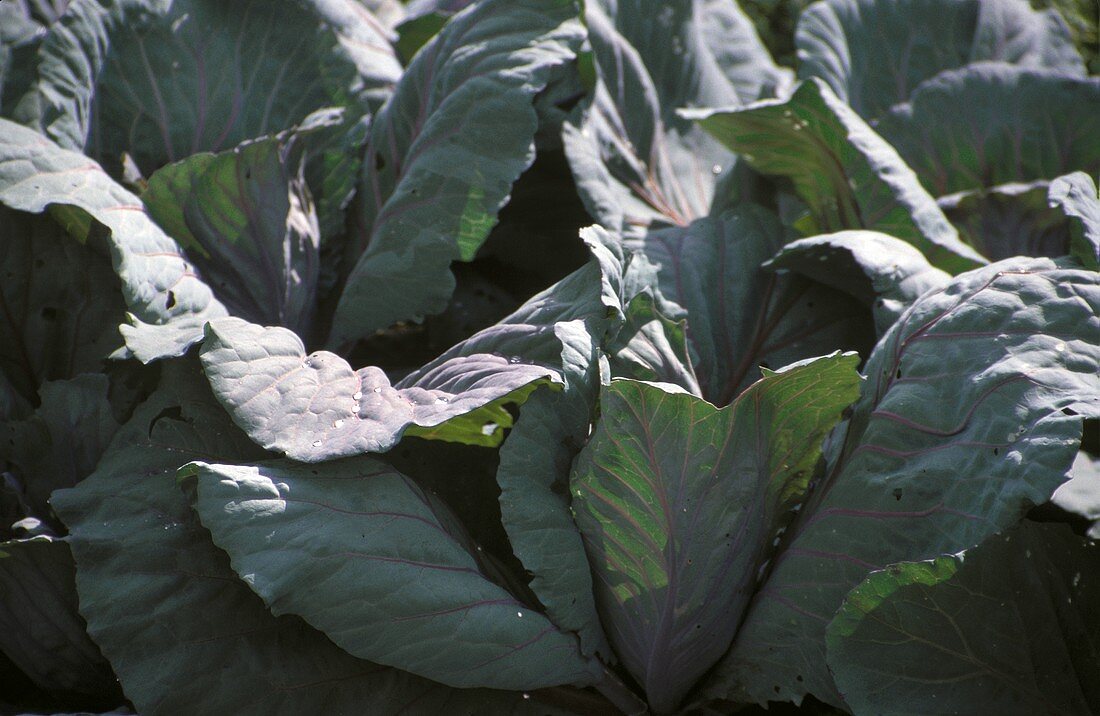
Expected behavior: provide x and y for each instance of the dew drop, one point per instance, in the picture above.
(519, 614)
(527, 697)
(358, 395)
(378, 389)
(338, 423)
(307, 363)
(442, 400)
(1060, 347)
(355, 408)
(316, 443)
(716, 169)
(514, 359)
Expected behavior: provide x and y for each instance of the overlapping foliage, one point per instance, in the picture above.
(518, 356)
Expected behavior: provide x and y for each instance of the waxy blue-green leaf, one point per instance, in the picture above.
(443, 154)
(247, 221)
(164, 605)
(992, 123)
(40, 628)
(872, 56)
(971, 414)
(169, 303)
(636, 162)
(679, 503)
(160, 80)
(62, 441)
(372, 560)
(1009, 627)
(315, 406)
(61, 304)
(1077, 196)
(739, 316)
(849, 177)
(881, 271)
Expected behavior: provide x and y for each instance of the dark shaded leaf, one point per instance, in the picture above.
(40, 629)
(1010, 625)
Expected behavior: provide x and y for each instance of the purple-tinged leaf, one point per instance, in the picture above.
(680, 504)
(1077, 196)
(368, 557)
(971, 414)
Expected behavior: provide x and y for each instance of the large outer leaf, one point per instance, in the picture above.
(872, 55)
(162, 79)
(181, 630)
(443, 154)
(1077, 196)
(881, 271)
(679, 503)
(960, 428)
(740, 316)
(635, 161)
(992, 123)
(62, 442)
(316, 407)
(1009, 627)
(40, 629)
(848, 176)
(366, 556)
(169, 302)
(246, 219)
(60, 304)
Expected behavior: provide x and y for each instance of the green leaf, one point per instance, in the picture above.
(740, 316)
(40, 629)
(991, 123)
(872, 58)
(1010, 625)
(679, 503)
(881, 271)
(849, 177)
(61, 304)
(636, 162)
(163, 603)
(246, 218)
(443, 154)
(62, 442)
(162, 80)
(1077, 196)
(1009, 220)
(381, 570)
(987, 378)
(316, 407)
(168, 301)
